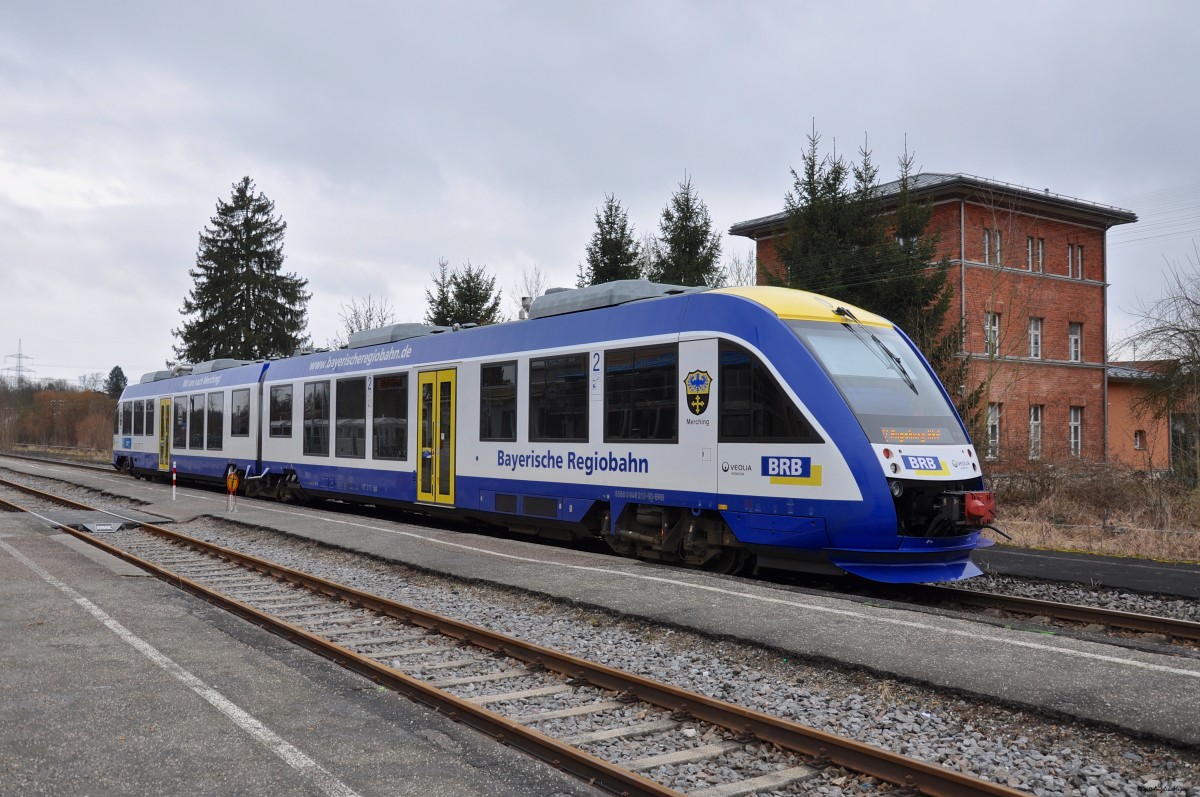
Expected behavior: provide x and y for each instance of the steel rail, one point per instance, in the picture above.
(920, 776)
(1129, 621)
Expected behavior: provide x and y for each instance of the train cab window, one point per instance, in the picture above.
(139, 417)
(180, 424)
(126, 417)
(498, 401)
(150, 417)
(281, 411)
(316, 419)
(389, 419)
(641, 394)
(752, 405)
(239, 414)
(558, 392)
(351, 435)
(216, 421)
(196, 422)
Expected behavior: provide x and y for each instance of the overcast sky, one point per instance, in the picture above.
(390, 135)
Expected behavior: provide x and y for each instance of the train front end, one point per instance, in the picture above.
(924, 496)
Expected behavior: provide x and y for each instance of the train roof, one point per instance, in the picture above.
(792, 304)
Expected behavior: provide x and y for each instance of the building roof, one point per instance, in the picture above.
(939, 186)
(1136, 371)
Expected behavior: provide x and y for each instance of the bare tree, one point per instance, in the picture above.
(1168, 331)
(367, 313)
(533, 284)
(740, 269)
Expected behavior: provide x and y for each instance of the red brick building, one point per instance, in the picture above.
(1029, 270)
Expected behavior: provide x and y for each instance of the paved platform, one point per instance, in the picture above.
(114, 683)
(1118, 572)
(1143, 692)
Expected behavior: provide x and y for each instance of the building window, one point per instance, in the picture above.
(316, 419)
(1075, 343)
(216, 421)
(993, 431)
(498, 401)
(991, 246)
(1029, 253)
(1035, 338)
(1035, 431)
(281, 411)
(1075, 431)
(389, 417)
(1079, 262)
(350, 437)
(239, 414)
(991, 333)
(641, 394)
(1070, 260)
(1041, 255)
(558, 405)
(1139, 440)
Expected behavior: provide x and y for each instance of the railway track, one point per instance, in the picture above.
(503, 686)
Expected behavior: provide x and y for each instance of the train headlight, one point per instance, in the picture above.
(897, 488)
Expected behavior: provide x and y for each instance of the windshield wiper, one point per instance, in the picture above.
(887, 356)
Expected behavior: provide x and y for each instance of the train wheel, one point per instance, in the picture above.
(728, 562)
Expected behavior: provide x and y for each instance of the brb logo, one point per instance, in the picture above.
(925, 464)
(792, 470)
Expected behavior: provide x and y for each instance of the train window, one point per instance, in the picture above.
(196, 422)
(139, 417)
(316, 419)
(389, 422)
(216, 421)
(179, 427)
(281, 411)
(752, 406)
(150, 417)
(239, 414)
(498, 401)
(117, 420)
(126, 417)
(351, 435)
(558, 405)
(641, 394)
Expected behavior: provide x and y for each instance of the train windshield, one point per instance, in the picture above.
(885, 383)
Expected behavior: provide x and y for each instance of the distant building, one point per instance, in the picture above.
(1138, 435)
(1030, 274)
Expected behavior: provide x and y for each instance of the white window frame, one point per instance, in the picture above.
(996, 247)
(1041, 255)
(1035, 338)
(1070, 260)
(1029, 253)
(993, 431)
(987, 245)
(1079, 261)
(1075, 431)
(1035, 431)
(1075, 342)
(991, 334)
(1139, 440)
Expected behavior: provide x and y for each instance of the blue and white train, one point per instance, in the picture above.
(711, 428)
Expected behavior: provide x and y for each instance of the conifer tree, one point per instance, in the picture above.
(440, 299)
(612, 253)
(116, 382)
(687, 250)
(242, 305)
(465, 295)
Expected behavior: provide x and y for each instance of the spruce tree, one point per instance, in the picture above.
(612, 253)
(116, 382)
(687, 250)
(440, 300)
(242, 305)
(465, 295)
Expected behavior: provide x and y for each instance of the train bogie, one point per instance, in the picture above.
(706, 428)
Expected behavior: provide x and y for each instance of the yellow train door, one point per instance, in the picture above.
(435, 443)
(164, 434)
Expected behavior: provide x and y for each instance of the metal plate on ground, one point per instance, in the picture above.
(98, 522)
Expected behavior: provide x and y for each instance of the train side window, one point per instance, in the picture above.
(126, 417)
(150, 417)
(281, 411)
(216, 421)
(179, 427)
(239, 414)
(498, 401)
(641, 394)
(196, 422)
(139, 417)
(752, 406)
(389, 421)
(316, 419)
(351, 428)
(558, 405)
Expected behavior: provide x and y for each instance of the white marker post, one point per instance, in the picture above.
(174, 467)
